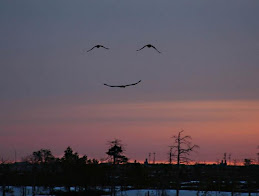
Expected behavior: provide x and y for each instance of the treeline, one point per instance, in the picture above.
(42, 168)
(74, 171)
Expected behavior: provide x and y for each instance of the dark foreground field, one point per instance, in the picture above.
(93, 178)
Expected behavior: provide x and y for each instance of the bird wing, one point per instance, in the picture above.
(141, 48)
(133, 83)
(91, 49)
(120, 86)
(155, 49)
(104, 47)
(109, 85)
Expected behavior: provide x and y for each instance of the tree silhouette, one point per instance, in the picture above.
(73, 158)
(182, 147)
(92, 161)
(247, 162)
(73, 167)
(116, 152)
(42, 156)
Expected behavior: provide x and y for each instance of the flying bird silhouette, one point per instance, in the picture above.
(97, 46)
(149, 46)
(122, 86)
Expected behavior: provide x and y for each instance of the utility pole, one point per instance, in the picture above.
(154, 159)
(14, 156)
(225, 158)
(149, 158)
(229, 158)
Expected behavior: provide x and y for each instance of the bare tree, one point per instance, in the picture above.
(182, 147)
(170, 155)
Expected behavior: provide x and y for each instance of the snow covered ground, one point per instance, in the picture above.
(17, 191)
(181, 193)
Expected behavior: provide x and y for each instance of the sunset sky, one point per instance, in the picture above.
(205, 81)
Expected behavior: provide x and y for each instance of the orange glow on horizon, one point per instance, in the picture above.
(216, 126)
